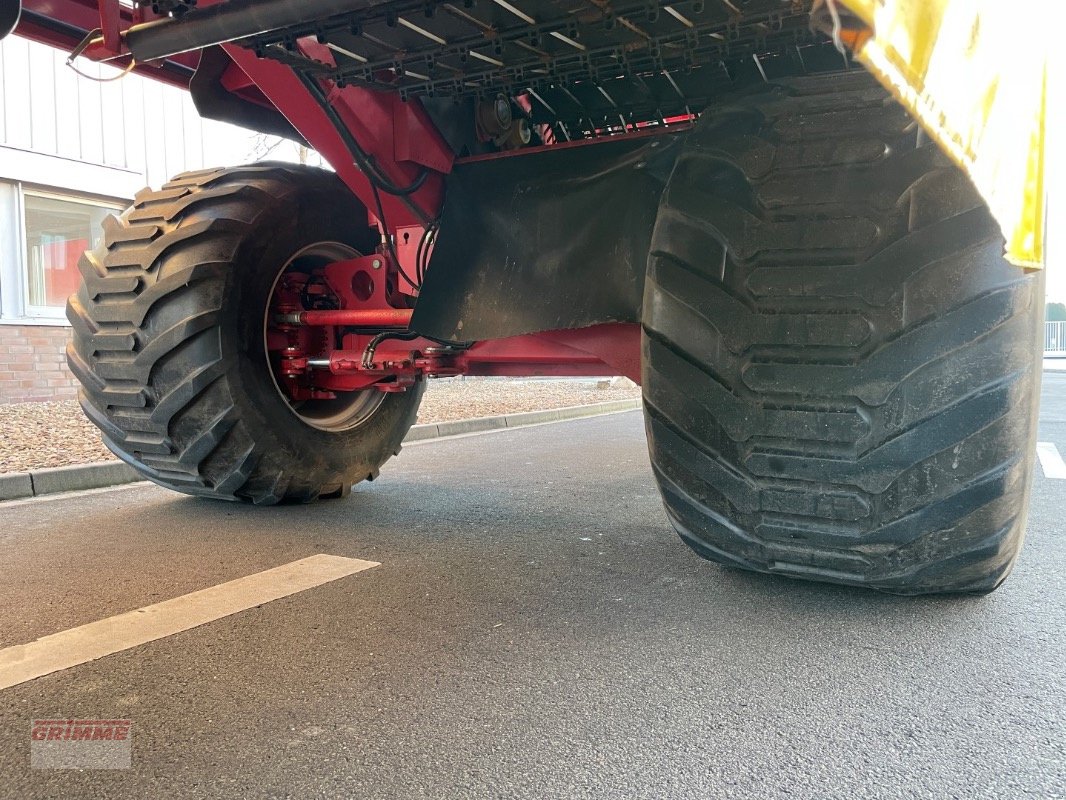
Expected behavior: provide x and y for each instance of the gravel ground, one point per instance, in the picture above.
(55, 434)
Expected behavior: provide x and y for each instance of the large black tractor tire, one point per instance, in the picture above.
(841, 371)
(168, 339)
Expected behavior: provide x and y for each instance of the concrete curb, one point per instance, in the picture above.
(77, 477)
(478, 424)
(74, 478)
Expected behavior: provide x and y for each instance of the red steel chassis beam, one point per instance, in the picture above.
(398, 135)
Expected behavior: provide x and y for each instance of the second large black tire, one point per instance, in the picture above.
(169, 330)
(841, 371)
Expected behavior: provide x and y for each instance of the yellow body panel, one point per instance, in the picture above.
(975, 74)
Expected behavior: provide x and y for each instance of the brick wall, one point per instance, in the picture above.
(32, 363)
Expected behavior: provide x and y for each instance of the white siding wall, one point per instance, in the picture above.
(68, 132)
(71, 135)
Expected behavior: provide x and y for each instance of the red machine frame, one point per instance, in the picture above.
(362, 340)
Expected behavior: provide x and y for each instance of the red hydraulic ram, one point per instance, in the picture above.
(356, 318)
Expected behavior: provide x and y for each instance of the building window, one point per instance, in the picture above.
(58, 230)
(42, 236)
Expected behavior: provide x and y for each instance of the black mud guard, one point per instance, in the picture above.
(556, 238)
(214, 101)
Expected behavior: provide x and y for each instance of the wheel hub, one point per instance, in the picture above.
(302, 286)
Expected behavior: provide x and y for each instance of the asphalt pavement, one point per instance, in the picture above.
(534, 630)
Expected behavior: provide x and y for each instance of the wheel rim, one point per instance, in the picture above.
(347, 410)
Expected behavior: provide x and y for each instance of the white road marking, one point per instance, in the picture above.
(69, 648)
(1050, 460)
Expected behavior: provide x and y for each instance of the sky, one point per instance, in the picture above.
(1055, 173)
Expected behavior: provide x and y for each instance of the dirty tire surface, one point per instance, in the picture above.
(841, 372)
